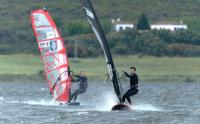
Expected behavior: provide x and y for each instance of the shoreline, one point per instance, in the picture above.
(39, 78)
(28, 67)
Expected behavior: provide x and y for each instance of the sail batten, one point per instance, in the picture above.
(53, 54)
(96, 27)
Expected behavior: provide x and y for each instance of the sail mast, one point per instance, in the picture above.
(96, 26)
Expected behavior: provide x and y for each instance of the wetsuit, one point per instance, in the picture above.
(133, 87)
(82, 87)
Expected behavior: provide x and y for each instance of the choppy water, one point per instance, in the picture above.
(157, 103)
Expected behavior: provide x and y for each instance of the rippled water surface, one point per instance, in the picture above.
(156, 103)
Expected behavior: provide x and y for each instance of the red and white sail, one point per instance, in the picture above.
(53, 54)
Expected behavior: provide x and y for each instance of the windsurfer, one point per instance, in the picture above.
(133, 85)
(82, 85)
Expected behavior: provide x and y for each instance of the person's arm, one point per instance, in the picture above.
(136, 79)
(77, 76)
(135, 85)
(127, 75)
(76, 79)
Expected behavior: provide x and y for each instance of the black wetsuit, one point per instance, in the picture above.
(82, 87)
(133, 87)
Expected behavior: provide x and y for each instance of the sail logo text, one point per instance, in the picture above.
(53, 45)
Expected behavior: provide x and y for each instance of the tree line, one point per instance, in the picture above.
(140, 41)
(136, 42)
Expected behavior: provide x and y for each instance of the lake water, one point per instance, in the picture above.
(156, 103)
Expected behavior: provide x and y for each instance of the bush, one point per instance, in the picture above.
(77, 28)
(120, 49)
(143, 22)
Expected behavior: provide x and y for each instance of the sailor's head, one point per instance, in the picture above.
(132, 69)
(82, 73)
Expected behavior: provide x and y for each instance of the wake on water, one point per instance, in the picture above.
(145, 107)
(104, 103)
(110, 99)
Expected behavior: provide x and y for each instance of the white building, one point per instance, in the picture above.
(171, 27)
(118, 25)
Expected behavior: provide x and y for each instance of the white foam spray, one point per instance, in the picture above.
(145, 107)
(1, 98)
(41, 102)
(36, 102)
(108, 100)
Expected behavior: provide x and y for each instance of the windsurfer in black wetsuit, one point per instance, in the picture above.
(133, 85)
(82, 85)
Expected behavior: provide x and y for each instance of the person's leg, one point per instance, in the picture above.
(125, 95)
(78, 92)
(129, 100)
(73, 95)
(83, 90)
(135, 91)
(123, 98)
(131, 93)
(128, 94)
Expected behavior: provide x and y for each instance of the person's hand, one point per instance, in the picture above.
(72, 73)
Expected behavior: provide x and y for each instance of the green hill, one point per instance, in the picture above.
(16, 35)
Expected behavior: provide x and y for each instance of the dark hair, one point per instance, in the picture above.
(133, 68)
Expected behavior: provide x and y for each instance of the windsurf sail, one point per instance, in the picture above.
(96, 27)
(53, 54)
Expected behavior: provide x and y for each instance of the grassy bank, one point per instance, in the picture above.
(28, 67)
